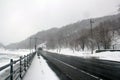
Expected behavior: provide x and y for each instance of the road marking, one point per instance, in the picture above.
(77, 69)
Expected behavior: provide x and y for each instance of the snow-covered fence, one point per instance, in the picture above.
(18, 68)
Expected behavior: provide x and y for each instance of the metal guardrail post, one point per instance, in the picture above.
(24, 63)
(11, 69)
(27, 60)
(30, 59)
(20, 67)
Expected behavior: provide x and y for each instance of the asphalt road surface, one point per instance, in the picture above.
(77, 68)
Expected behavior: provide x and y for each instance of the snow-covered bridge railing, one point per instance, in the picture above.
(18, 68)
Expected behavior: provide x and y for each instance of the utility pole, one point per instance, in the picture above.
(30, 45)
(35, 44)
(92, 45)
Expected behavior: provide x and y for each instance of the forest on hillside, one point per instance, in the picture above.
(102, 36)
(94, 33)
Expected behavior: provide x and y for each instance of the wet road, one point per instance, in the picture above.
(78, 68)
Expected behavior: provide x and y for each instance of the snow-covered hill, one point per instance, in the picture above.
(54, 34)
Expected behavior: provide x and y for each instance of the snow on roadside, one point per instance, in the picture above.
(6, 55)
(39, 70)
(113, 56)
(17, 51)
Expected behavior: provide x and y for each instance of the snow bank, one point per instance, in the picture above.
(6, 55)
(39, 70)
(114, 56)
(17, 51)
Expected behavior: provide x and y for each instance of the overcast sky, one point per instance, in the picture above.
(21, 18)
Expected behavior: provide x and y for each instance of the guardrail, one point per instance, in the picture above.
(18, 68)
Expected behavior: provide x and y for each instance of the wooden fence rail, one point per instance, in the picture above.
(18, 67)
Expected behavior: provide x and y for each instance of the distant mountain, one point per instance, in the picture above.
(1, 45)
(42, 35)
(55, 34)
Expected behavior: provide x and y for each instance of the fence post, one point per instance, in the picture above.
(31, 58)
(20, 67)
(27, 60)
(11, 69)
(24, 63)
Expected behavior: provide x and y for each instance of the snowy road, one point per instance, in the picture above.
(39, 70)
(85, 68)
